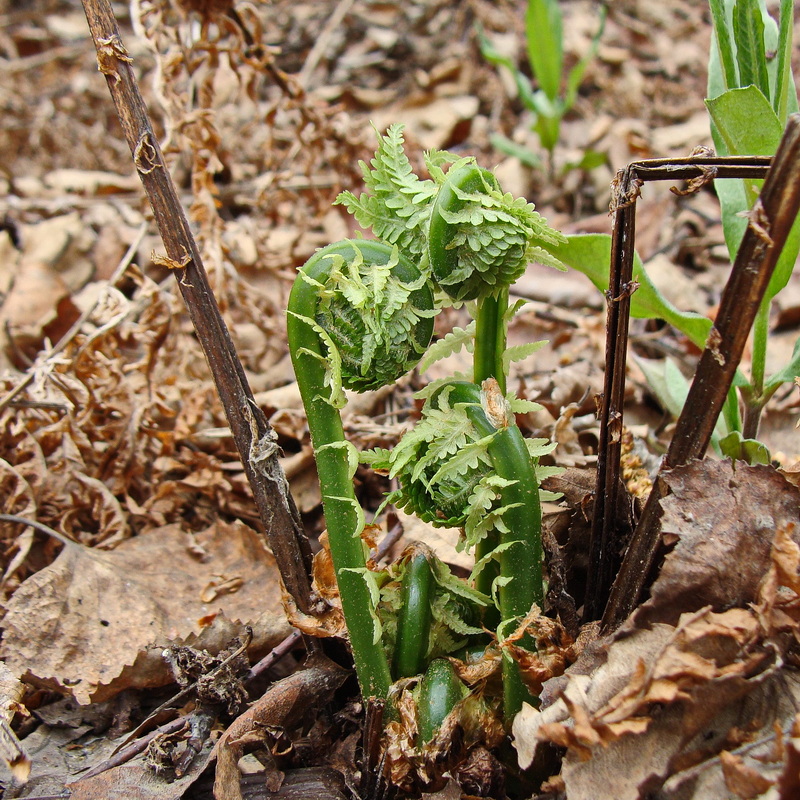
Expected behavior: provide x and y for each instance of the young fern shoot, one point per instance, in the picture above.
(360, 316)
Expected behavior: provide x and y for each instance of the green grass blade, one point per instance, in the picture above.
(748, 32)
(784, 83)
(722, 34)
(544, 34)
(576, 73)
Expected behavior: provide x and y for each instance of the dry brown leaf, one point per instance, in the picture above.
(94, 623)
(724, 517)
(743, 781)
(657, 705)
(137, 781)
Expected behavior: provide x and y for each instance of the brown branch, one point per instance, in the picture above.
(769, 225)
(608, 527)
(602, 544)
(252, 434)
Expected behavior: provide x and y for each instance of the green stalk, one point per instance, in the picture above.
(415, 617)
(490, 338)
(322, 369)
(521, 557)
(339, 503)
(439, 691)
(759, 359)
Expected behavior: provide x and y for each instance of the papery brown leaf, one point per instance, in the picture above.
(79, 624)
(329, 619)
(137, 781)
(742, 780)
(664, 699)
(724, 517)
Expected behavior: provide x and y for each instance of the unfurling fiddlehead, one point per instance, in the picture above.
(386, 307)
(466, 464)
(360, 316)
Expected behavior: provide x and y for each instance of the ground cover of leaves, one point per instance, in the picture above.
(111, 433)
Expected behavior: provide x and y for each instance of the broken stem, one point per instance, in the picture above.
(761, 246)
(251, 431)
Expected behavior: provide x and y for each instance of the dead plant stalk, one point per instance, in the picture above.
(251, 432)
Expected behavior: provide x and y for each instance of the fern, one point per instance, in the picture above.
(397, 204)
(451, 343)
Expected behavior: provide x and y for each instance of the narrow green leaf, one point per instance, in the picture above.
(512, 148)
(493, 56)
(724, 69)
(788, 373)
(576, 73)
(784, 83)
(748, 31)
(544, 34)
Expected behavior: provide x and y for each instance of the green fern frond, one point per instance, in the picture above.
(397, 204)
(448, 345)
(373, 320)
(519, 352)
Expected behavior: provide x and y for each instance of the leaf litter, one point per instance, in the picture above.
(110, 431)
(701, 682)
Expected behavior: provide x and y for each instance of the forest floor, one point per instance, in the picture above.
(112, 435)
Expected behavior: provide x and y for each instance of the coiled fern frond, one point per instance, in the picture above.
(481, 239)
(371, 307)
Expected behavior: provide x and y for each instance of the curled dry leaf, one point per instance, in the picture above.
(94, 623)
(703, 668)
(329, 621)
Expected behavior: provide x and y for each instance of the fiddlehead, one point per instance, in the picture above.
(467, 464)
(426, 611)
(480, 239)
(373, 310)
(387, 308)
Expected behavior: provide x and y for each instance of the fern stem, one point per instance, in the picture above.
(414, 617)
(339, 503)
(490, 338)
(313, 354)
(520, 556)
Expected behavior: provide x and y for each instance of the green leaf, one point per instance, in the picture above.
(746, 122)
(451, 343)
(577, 72)
(397, 204)
(788, 373)
(747, 125)
(785, 98)
(544, 34)
(667, 383)
(748, 31)
(523, 84)
(671, 388)
(723, 73)
(591, 255)
(512, 148)
(521, 351)
(735, 447)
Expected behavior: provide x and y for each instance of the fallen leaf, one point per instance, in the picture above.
(724, 517)
(745, 782)
(94, 623)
